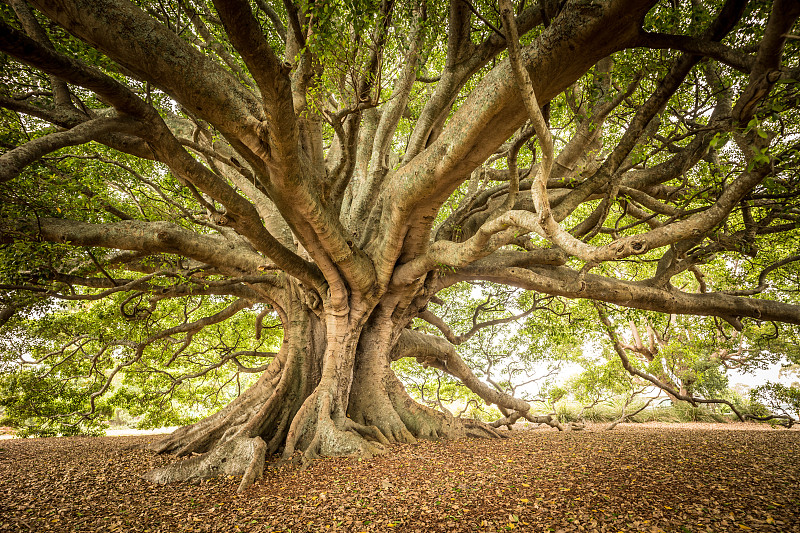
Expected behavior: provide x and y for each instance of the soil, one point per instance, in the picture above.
(639, 477)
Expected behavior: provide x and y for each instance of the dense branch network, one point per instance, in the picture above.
(338, 172)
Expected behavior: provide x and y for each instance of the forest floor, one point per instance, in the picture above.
(638, 477)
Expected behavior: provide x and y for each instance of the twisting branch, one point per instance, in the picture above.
(513, 171)
(504, 229)
(730, 13)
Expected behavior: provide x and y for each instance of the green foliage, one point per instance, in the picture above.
(35, 403)
(82, 347)
(601, 379)
(778, 398)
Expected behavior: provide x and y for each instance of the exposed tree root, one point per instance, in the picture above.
(204, 434)
(319, 429)
(295, 408)
(240, 456)
(478, 429)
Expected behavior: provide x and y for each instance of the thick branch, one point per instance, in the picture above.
(13, 161)
(563, 281)
(713, 49)
(247, 38)
(140, 236)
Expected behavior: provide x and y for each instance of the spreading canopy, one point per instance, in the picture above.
(336, 165)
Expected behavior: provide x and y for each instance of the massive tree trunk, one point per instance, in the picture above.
(329, 391)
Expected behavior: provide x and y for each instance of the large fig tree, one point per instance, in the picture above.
(337, 164)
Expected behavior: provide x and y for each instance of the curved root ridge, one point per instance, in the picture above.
(368, 432)
(240, 456)
(330, 435)
(478, 429)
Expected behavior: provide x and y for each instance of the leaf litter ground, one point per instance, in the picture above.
(683, 478)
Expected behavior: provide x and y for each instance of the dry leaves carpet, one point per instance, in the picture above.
(635, 478)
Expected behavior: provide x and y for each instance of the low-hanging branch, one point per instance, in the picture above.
(694, 400)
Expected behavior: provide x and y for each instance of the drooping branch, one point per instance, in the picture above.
(694, 400)
(436, 352)
(627, 416)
